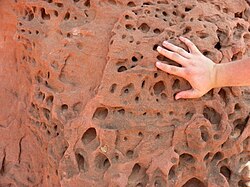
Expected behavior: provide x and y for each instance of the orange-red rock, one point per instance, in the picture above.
(82, 103)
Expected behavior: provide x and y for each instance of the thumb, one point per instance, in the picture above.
(187, 94)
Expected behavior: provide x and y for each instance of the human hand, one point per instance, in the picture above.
(197, 69)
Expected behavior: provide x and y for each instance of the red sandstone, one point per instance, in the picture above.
(82, 103)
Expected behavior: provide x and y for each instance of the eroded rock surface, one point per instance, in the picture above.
(87, 107)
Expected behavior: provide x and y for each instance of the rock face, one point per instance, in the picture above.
(83, 104)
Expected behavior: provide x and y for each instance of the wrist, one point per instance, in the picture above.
(215, 75)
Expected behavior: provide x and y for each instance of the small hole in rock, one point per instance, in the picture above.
(212, 115)
(113, 88)
(176, 84)
(49, 100)
(144, 27)
(87, 3)
(187, 30)
(128, 89)
(226, 172)
(121, 69)
(207, 156)
(155, 47)
(46, 113)
(116, 157)
(121, 111)
(193, 183)
(56, 13)
(203, 35)
(204, 133)
(130, 153)
(129, 26)
(131, 4)
(240, 125)
(59, 5)
(187, 9)
(159, 87)
(237, 107)
(217, 156)
(157, 31)
(101, 113)
(206, 53)
(223, 95)
(189, 115)
(238, 15)
(127, 16)
(136, 169)
(112, 2)
(171, 174)
(89, 136)
(137, 99)
(159, 115)
(134, 59)
(81, 162)
(218, 46)
(30, 16)
(147, 3)
(64, 107)
(44, 15)
(186, 158)
(164, 13)
(67, 16)
(143, 84)
(68, 35)
(216, 136)
(102, 162)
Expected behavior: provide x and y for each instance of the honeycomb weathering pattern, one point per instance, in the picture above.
(87, 106)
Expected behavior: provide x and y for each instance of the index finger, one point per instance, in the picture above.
(192, 48)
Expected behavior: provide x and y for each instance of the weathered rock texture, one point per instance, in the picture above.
(82, 103)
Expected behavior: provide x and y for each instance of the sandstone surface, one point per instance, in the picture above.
(82, 103)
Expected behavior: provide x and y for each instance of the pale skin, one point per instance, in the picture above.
(201, 72)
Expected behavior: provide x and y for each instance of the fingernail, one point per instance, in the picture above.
(159, 48)
(158, 63)
(181, 37)
(177, 97)
(165, 42)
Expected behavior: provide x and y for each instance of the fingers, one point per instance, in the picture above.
(178, 71)
(176, 49)
(188, 94)
(192, 48)
(172, 56)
